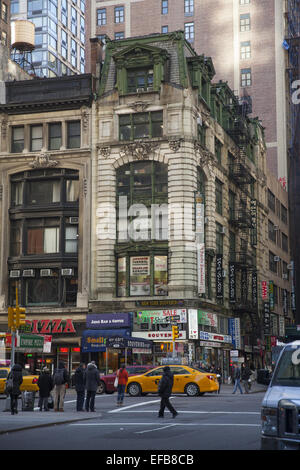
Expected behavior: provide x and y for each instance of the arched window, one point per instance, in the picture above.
(142, 246)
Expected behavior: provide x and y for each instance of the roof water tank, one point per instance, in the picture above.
(22, 35)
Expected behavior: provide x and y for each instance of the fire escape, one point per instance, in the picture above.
(243, 260)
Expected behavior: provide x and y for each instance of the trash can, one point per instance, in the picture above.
(28, 401)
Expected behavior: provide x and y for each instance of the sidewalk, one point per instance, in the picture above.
(35, 419)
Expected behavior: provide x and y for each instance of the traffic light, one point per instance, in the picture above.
(11, 318)
(20, 316)
(175, 332)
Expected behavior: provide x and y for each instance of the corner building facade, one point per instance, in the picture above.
(176, 161)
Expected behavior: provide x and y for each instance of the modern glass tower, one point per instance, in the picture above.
(59, 34)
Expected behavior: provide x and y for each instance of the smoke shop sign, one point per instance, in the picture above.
(46, 327)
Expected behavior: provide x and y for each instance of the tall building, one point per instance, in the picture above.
(4, 22)
(59, 34)
(244, 38)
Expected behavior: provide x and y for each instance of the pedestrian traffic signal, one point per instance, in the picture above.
(20, 316)
(11, 318)
(175, 332)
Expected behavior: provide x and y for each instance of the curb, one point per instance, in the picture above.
(43, 425)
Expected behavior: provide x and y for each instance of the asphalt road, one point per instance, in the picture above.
(210, 422)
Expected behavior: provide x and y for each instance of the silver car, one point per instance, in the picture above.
(280, 411)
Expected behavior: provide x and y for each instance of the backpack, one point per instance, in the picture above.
(58, 377)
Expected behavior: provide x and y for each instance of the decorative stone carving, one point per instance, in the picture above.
(139, 106)
(138, 150)
(85, 119)
(43, 161)
(175, 144)
(104, 152)
(4, 128)
(205, 157)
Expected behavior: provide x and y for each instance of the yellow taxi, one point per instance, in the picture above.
(29, 381)
(193, 382)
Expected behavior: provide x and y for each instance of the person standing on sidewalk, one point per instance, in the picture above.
(45, 384)
(79, 386)
(245, 374)
(91, 382)
(237, 379)
(17, 379)
(165, 390)
(122, 375)
(60, 381)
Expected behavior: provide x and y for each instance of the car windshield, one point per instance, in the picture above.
(287, 371)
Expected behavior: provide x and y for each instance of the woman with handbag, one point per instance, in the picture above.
(122, 377)
(13, 382)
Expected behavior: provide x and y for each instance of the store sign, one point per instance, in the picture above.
(154, 316)
(201, 267)
(267, 318)
(46, 327)
(193, 324)
(158, 335)
(119, 343)
(207, 318)
(95, 340)
(254, 289)
(234, 328)
(99, 321)
(232, 283)
(264, 290)
(219, 276)
(253, 215)
(206, 336)
(271, 295)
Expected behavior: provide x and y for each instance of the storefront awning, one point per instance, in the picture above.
(129, 342)
(95, 340)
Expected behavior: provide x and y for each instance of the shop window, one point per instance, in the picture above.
(43, 291)
(73, 134)
(55, 137)
(141, 125)
(139, 80)
(17, 142)
(42, 239)
(142, 275)
(43, 192)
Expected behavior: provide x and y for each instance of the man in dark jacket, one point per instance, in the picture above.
(45, 384)
(246, 374)
(165, 390)
(79, 386)
(92, 382)
(16, 374)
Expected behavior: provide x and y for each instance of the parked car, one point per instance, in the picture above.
(280, 411)
(29, 381)
(187, 380)
(107, 380)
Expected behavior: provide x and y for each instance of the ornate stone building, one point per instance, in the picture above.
(45, 175)
(170, 140)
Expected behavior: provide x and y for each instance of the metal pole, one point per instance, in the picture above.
(106, 360)
(12, 354)
(125, 357)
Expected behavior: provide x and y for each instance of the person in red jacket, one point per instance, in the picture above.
(122, 375)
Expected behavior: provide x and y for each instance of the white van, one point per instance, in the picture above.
(280, 411)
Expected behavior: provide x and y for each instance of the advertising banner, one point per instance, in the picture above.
(234, 328)
(193, 324)
(207, 318)
(264, 290)
(219, 276)
(154, 316)
(232, 283)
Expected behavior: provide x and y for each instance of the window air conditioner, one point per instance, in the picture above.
(140, 90)
(285, 276)
(28, 273)
(15, 273)
(67, 272)
(73, 220)
(45, 272)
(276, 258)
(275, 227)
(150, 88)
